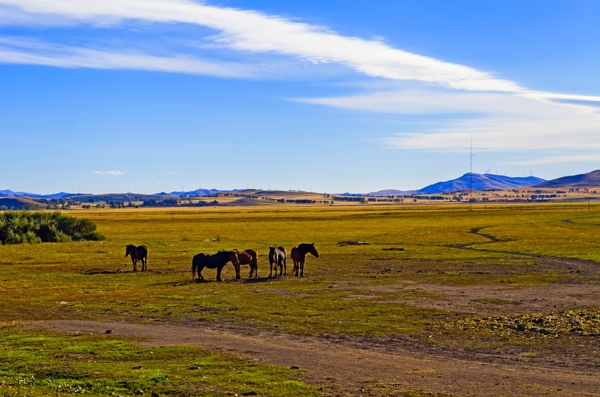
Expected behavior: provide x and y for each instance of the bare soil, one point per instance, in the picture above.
(390, 366)
(346, 366)
(488, 300)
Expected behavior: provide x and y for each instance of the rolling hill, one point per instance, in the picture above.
(591, 179)
(19, 203)
(480, 182)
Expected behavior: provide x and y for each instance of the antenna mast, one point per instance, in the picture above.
(471, 170)
(471, 174)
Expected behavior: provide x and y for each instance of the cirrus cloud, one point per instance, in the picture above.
(114, 173)
(255, 32)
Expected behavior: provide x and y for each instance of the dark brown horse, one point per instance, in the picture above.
(298, 255)
(277, 257)
(249, 257)
(137, 253)
(218, 261)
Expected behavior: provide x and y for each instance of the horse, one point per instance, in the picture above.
(218, 261)
(137, 253)
(249, 257)
(277, 256)
(298, 255)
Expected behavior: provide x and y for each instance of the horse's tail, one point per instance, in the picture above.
(194, 267)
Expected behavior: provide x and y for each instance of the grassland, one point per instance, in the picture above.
(402, 285)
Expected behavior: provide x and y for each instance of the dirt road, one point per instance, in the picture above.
(358, 368)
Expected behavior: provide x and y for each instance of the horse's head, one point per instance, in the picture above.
(313, 250)
(129, 249)
(271, 250)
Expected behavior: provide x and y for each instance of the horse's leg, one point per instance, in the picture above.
(143, 264)
(237, 271)
(200, 277)
(134, 264)
(302, 269)
(284, 268)
(219, 272)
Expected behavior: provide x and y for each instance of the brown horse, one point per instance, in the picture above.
(298, 255)
(137, 253)
(249, 257)
(218, 261)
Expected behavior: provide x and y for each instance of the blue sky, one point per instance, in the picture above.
(334, 95)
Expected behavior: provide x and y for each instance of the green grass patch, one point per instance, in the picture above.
(94, 280)
(36, 363)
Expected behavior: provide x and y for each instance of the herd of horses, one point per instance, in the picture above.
(277, 260)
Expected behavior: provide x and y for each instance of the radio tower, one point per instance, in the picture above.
(471, 175)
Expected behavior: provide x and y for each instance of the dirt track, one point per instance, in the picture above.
(355, 368)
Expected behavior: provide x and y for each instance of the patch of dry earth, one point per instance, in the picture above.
(354, 369)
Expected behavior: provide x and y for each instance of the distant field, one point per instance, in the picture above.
(427, 270)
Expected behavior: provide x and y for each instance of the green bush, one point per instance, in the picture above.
(17, 227)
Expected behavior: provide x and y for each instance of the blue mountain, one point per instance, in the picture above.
(480, 182)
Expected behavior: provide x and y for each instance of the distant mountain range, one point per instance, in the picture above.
(10, 193)
(465, 182)
(62, 195)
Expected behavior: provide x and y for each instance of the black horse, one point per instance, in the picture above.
(137, 253)
(298, 255)
(218, 261)
(277, 256)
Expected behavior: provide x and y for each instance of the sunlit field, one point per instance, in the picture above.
(365, 290)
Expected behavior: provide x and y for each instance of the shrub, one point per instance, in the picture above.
(18, 227)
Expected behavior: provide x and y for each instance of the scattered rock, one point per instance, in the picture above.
(137, 367)
(154, 394)
(139, 392)
(294, 367)
(342, 243)
(250, 393)
(108, 331)
(193, 367)
(393, 249)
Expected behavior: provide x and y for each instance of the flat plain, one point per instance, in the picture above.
(496, 299)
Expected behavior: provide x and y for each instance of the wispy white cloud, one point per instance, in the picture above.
(432, 101)
(562, 132)
(496, 121)
(114, 173)
(255, 32)
(499, 113)
(561, 159)
(19, 51)
(439, 101)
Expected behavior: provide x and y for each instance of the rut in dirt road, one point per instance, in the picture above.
(346, 370)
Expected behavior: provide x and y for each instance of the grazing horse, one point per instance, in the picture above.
(218, 261)
(298, 255)
(277, 256)
(249, 257)
(137, 253)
